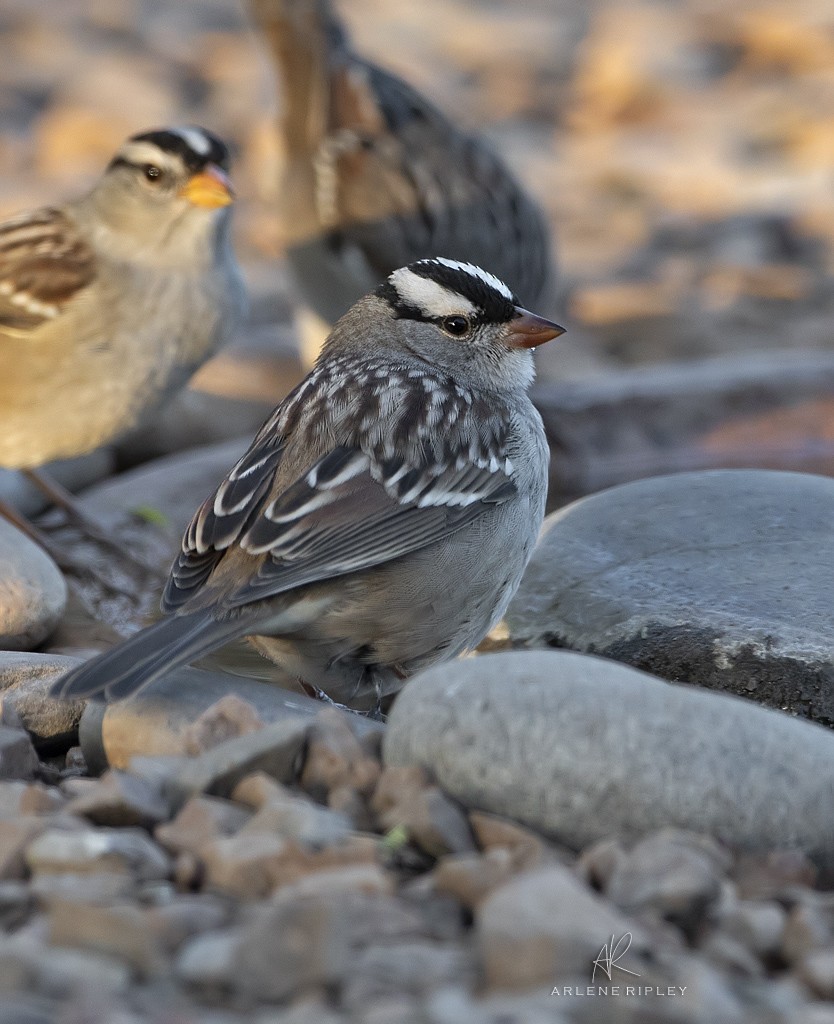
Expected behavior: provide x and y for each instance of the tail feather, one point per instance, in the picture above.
(166, 645)
(303, 36)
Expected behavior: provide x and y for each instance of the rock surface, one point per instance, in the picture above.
(18, 759)
(642, 421)
(544, 926)
(74, 474)
(580, 748)
(266, 896)
(717, 578)
(172, 486)
(25, 680)
(33, 594)
(157, 720)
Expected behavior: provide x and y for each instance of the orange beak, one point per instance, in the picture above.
(210, 188)
(526, 330)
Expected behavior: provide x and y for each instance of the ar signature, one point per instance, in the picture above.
(610, 955)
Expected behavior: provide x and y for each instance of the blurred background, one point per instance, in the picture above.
(684, 152)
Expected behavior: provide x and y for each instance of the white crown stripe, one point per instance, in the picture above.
(473, 271)
(144, 152)
(430, 297)
(194, 138)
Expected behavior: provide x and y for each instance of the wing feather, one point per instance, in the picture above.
(44, 264)
(344, 515)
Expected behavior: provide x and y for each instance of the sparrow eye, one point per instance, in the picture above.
(152, 172)
(457, 326)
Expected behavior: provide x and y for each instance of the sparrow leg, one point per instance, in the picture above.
(61, 498)
(376, 713)
(11, 515)
(317, 694)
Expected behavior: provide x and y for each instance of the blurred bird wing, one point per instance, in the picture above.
(348, 513)
(395, 181)
(44, 264)
(379, 161)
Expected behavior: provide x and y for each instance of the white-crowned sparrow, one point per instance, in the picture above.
(110, 302)
(383, 515)
(376, 177)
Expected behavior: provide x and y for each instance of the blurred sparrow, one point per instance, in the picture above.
(110, 302)
(382, 517)
(376, 177)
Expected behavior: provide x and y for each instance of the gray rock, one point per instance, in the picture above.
(758, 924)
(16, 903)
(817, 971)
(64, 973)
(438, 825)
(274, 750)
(25, 680)
(18, 759)
(33, 593)
(18, 963)
(377, 917)
(545, 925)
(124, 850)
(293, 944)
(774, 875)
(15, 836)
(581, 748)
(809, 926)
(177, 918)
(156, 720)
(350, 878)
(172, 486)
(19, 1008)
(314, 1010)
(598, 862)
(96, 887)
(455, 1005)
(408, 968)
(403, 798)
(815, 1013)
(207, 961)
(118, 930)
(74, 474)
(201, 819)
(293, 817)
(731, 956)
(119, 799)
(718, 578)
(673, 874)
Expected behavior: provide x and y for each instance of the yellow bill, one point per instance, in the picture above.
(211, 188)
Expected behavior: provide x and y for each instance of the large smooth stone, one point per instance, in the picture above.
(174, 486)
(33, 593)
(723, 578)
(581, 748)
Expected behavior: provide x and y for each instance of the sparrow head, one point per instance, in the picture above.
(458, 317)
(167, 185)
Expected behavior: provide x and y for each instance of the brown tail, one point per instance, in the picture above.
(305, 39)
